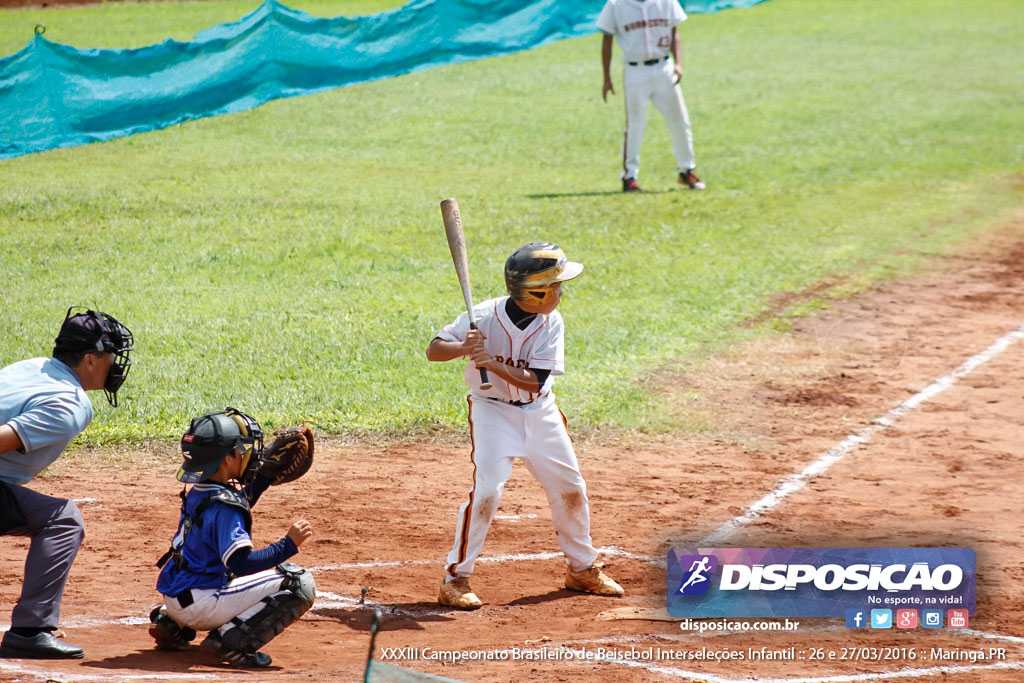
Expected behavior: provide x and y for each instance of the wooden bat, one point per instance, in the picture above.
(457, 246)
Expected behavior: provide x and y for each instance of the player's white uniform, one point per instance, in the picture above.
(644, 32)
(533, 430)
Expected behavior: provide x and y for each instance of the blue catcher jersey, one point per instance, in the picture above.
(215, 535)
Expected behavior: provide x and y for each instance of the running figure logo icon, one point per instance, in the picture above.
(695, 578)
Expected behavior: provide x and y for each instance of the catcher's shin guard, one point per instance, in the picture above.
(271, 615)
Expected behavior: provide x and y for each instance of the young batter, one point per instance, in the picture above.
(647, 35)
(520, 342)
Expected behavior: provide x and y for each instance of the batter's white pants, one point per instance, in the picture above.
(214, 607)
(656, 83)
(536, 433)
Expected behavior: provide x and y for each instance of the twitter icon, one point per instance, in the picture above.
(881, 618)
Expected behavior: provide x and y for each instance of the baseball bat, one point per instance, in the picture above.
(457, 246)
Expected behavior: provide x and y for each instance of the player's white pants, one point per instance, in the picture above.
(536, 433)
(656, 83)
(214, 607)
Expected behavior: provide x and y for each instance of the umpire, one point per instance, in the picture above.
(43, 406)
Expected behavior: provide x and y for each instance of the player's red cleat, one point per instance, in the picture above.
(690, 179)
(630, 185)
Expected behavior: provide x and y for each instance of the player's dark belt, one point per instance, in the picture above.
(649, 62)
(511, 403)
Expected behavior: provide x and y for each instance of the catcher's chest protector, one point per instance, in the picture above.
(226, 496)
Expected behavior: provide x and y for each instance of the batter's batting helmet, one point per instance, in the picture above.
(212, 437)
(533, 268)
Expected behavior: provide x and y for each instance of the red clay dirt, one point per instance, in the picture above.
(946, 474)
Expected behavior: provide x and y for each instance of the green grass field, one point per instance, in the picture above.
(290, 260)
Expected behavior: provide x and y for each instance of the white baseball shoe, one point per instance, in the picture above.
(592, 580)
(457, 593)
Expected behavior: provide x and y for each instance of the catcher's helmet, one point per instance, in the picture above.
(212, 437)
(97, 331)
(533, 268)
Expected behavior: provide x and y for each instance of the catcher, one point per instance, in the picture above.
(212, 578)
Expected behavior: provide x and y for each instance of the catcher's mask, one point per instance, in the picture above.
(97, 331)
(214, 436)
(533, 268)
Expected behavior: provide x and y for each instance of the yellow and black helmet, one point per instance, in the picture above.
(533, 268)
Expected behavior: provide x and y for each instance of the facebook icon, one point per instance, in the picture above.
(856, 618)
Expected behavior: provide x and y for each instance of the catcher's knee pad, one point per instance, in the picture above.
(277, 612)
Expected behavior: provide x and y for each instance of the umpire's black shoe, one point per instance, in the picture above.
(40, 646)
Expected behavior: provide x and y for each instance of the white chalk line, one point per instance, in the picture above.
(515, 518)
(334, 601)
(795, 482)
(993, 636)
(609, 551)
(9, 667)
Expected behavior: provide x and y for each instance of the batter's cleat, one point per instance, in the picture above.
(40, 646)
(457, 593)
(592, 580)
(630, 185)
(167, 633)
(690, 179)
(242, 660)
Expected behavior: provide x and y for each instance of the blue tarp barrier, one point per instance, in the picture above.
(54, 95)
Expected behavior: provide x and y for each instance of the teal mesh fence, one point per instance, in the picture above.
(54, 95)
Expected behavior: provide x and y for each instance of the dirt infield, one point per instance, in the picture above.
(947, 473)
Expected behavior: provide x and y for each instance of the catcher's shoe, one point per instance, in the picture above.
(592, 580)
(457, 593)
(690, 179)
(630, 185)
(167, 633)
(243, 660)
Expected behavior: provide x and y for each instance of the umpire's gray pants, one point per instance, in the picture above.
(56, 528)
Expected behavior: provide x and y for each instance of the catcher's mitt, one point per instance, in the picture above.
(288, 456)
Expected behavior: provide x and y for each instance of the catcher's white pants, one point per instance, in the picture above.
(536, 433)
(656, 83)
(214, 607)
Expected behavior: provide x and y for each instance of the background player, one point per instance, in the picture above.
(520, 341)
(215, 581)
(647, 35)
(43, 406)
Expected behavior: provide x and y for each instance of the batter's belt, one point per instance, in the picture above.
(649, 62)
